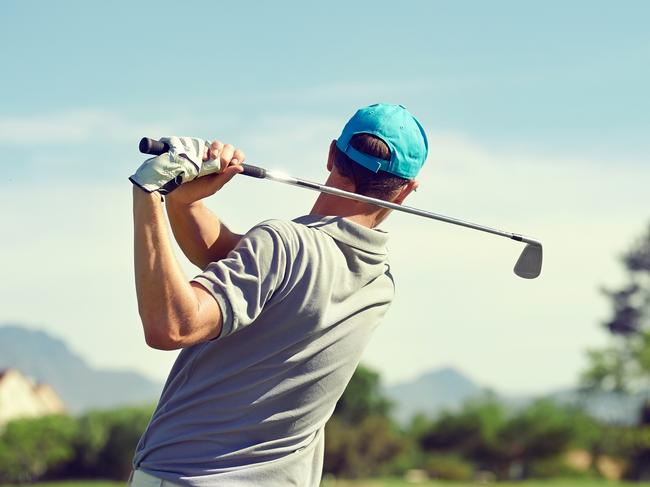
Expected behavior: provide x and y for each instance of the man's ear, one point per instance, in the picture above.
(330, 156)
(411, 186)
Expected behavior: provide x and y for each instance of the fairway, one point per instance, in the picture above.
(535, 483)
(76, 483)
(390, 483)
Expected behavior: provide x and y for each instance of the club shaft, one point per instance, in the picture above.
(151, 146)
(387, 204)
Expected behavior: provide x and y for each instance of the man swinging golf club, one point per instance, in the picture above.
(273, 328)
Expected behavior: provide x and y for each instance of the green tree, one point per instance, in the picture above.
(510, 444)
(362, 397)
(623, 366)
(124, 428)
(106, 441)
(360, 438)
(471, 432)
(368, 448)
(31, 448)
(537, 434)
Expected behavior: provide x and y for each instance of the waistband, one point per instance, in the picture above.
(139, 478)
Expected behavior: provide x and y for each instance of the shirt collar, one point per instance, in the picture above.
(370, 240)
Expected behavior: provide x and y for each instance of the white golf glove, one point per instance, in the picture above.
(183, 163)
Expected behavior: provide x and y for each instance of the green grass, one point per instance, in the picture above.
(77, 483)
(390, 483)
(532, 483)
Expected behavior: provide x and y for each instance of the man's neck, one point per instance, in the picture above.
(328, 205)
(362, 213)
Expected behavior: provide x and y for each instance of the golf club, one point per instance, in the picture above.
(529, 263)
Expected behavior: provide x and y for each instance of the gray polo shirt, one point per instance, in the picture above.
(299, 301)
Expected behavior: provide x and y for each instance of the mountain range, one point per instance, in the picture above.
(48, 359)
(432, 392)
(448, 389)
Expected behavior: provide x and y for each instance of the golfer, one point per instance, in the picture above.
(274, 326)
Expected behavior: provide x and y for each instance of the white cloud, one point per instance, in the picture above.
(73, 127)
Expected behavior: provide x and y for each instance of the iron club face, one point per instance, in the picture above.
(529, 264)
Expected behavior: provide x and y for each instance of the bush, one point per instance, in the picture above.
(106, 442)
(449, 467)
(633, 444)
(32, 448)
(471, 432)
(513, 445)
(553, 468)
(370, 448)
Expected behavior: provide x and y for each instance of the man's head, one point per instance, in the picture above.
(380, 151)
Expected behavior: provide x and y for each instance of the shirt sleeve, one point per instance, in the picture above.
(245, 281)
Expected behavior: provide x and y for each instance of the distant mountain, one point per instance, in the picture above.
(81, 387)
(430, 393)
(608, 406)
(447, 388)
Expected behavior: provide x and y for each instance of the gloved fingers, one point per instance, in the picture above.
(212, 164)
(163, 173)
(190, 148)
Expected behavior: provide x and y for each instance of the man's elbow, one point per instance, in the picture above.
(159, 334)
(160, 341)
(172, 329)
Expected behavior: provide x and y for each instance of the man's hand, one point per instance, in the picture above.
(187, 159)
(229, 159)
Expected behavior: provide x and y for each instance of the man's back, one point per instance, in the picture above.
(299, 301)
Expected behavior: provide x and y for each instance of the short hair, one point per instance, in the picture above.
(380, 184)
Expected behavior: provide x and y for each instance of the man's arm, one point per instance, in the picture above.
(175, 313)
(202, 237)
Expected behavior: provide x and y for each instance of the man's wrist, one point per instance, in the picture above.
(177, 202)
(144, 195)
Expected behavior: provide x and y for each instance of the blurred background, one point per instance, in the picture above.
(538, 118)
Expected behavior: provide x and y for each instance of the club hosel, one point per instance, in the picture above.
(528, 240)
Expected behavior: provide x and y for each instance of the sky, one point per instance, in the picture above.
(537, 114)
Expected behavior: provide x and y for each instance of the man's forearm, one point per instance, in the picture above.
(202, 237)
(167, 303)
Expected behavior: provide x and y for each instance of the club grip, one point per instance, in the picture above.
(153, 147)
(156, 147)
(253, 171)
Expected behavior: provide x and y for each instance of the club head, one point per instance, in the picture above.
(529, 264)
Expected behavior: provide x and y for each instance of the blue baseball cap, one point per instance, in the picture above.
(401, 132)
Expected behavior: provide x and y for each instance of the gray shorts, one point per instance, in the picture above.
(140, 479)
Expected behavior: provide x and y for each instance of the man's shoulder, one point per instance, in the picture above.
(287, 230)
(277, 233)
(280, 226)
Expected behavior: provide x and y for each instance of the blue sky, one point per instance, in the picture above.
(538, 114)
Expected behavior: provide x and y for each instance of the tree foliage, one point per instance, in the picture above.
(99, 444)
(624, 365)
(363, 397)
(31, 448)
(106, 442)
(360, 437)
(369, 448)
(508, 443)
